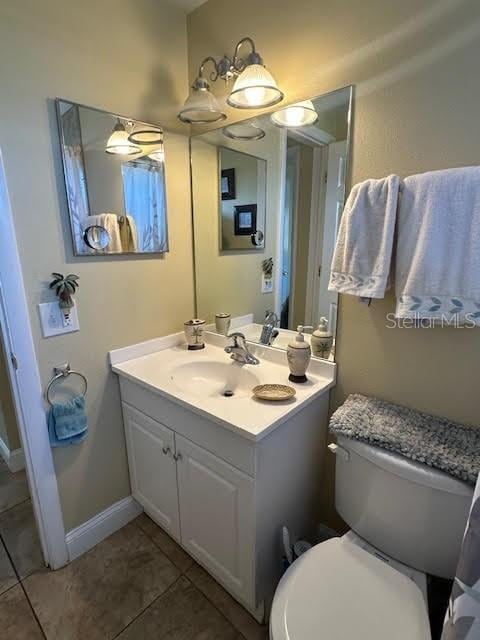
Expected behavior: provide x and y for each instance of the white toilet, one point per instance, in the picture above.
(406, 519)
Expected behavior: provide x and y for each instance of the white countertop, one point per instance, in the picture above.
(196, 379)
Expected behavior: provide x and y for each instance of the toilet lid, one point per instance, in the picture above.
(338, 591)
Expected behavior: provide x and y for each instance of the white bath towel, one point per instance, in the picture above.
(110, 222)
(437, 273)
(363, 252)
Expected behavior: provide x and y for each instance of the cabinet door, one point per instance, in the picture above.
(153, 476)
(216, 515)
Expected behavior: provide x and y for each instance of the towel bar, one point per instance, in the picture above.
(63, 371)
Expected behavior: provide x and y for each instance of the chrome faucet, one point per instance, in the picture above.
(269, 331)
(239, 350)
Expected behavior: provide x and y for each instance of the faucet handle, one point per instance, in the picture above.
(236, 335)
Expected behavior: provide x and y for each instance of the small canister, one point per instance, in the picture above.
(194, 334)
(322, 340)
(222, 323)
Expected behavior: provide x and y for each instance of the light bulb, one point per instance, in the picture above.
(296, 115)
(119, 144)
(254, 88)
(255, 95)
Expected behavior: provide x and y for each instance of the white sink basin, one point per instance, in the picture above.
(209, 378)
(199, 380)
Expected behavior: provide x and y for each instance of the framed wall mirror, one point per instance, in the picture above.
(242, 186)
(296, 160)
(114, 169)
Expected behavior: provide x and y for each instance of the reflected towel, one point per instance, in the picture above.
(67, 422)
(363, 252)
(110, 222)
(437, 272)
(133, 232)
(128, 234)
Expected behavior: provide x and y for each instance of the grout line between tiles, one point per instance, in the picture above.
(151, 538)
(148, 606)
(184, 573)
(33, 610)
(216, 607)
(34, 613)
(14, 506)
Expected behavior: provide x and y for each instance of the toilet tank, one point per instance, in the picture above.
(406, 509)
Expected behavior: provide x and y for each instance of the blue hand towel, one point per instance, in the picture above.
(67, 422)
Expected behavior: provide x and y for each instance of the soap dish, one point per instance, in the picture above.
(273, 392)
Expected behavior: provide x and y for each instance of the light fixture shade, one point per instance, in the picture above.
(119, 144)
(158, 154)
(201, 107)
(254, 88)
(295, 115)
(243, 131)
(146, 136)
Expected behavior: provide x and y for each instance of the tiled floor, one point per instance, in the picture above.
(13, 487)
(138, 584)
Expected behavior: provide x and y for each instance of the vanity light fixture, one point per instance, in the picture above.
(254, 88)
(118, 143)
(295, 115)
(243, 131)
(201, 106)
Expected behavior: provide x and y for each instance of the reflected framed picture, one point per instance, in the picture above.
(245, 219)
(227, 184)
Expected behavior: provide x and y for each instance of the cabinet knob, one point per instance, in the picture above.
(177, 456)
(166, 450)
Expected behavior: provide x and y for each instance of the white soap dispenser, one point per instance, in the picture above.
(298, 356)
(322, 340)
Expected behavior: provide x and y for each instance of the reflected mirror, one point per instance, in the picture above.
(242, 200)
(114, 171)
(268, 265)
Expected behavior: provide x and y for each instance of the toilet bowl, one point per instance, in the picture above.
(339, 591)
(410, 520)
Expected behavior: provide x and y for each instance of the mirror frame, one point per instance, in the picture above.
(76, 253)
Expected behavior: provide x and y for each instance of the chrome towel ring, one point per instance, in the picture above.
(60, 372)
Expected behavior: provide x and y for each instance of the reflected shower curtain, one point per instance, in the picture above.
(463, 616)
(75, 179)
(144, 192)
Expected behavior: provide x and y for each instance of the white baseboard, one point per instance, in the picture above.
(15, 459)
(90, 533)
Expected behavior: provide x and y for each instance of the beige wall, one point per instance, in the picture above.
(129, 57)
(415, 67)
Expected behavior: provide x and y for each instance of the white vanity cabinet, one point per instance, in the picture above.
(216, 511)
(153, 470)
(222, 496)
(202, 501)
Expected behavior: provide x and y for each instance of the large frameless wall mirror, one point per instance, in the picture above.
(114, 170)
(296, 161)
